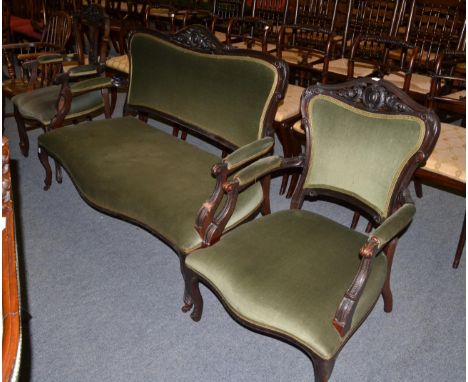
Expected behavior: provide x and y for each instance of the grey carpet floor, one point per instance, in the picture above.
(105, 300)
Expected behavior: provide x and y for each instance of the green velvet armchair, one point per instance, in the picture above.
(302, 277)
(81, 93)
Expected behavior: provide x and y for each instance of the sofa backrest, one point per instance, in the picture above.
(189, 78)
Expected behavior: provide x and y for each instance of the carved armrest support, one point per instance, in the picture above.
(240, 181)
(390, 228)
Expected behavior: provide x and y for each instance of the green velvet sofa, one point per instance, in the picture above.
(134, 171)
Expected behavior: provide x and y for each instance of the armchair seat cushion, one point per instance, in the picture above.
(449, 155)
(288, 272)
(420, 83)
(130, 169)
(40, 104)
(340, 66)
(119, 63)
(290, 106)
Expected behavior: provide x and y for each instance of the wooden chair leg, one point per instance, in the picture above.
(44, 159)
(355, 220)
(23, 136)
(265, 182)
(461, 245)
(323, 369)
(296, 150)
(284, 138)
(386, 290)
(192, 295)
(418, 188)
(58, 172)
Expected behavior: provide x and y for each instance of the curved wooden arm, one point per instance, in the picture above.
(344, 313)
(207, 210)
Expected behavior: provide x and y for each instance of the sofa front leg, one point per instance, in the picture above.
(44, 159)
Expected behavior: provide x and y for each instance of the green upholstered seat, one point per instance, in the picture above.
(131, 169)
(288, 272)
(40, 104)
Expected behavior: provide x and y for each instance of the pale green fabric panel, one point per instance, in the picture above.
(288, 272)
(222, 95)
(132, 169)
(358, 152)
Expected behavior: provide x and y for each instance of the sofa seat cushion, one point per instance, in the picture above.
(340, 66)
(288, 272)
(449, 155)
(40, 104)
(130, 169)
(290, 106)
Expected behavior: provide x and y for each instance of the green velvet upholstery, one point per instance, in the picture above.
(258, 169)
(40, 104)
(248, 153)
(225, 96)
(90, 84)
(82, 70)
(360, 153)
(288, 272)
(131, 169)
(394, 224)
(50, 58)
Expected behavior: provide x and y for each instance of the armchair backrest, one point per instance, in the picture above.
(57, 31)
(317, 13)
(365, 139)
(190, 78)
(226, 9)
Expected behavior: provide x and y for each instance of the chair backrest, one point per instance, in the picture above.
(227, 9)
(190, 78)
(272, 11)
(370, 18)
(58, 30)
(92, 30)
(365, 139)
(434, 26)
(317, 13)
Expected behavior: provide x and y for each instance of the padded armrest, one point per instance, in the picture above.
(50, 59)
(257, 170)
(394, 224)
(82, 70)
(248, 153)
(90, 84)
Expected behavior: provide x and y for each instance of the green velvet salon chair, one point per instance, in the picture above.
(79, 93)
(300, 276)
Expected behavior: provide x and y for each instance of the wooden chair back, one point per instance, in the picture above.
(317, 13)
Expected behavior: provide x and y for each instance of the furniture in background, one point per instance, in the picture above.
(53, 106)
(302, 277)
(11, 302)
(190, 81)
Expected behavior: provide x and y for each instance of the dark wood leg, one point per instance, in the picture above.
(23, 136)
(281, 131)
(193, 294)
(296, 150)
(323, 369)
(58, 172)
(461, 245)
(188, 302)
(44, 158)
(183, 136)
(369, 227)
(266, 181)
(418, 188)
(107, 107)
(355, 220)
(386, 290)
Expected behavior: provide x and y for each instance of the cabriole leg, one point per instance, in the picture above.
(323, 369)
(58, 172)
(193, 291)
(386, 290)
(44, 159)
